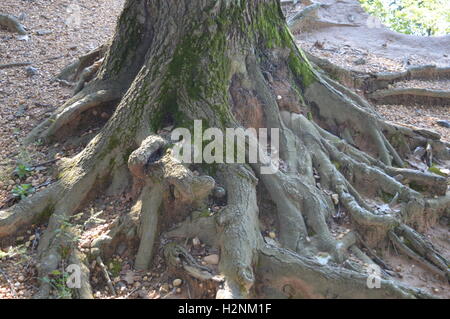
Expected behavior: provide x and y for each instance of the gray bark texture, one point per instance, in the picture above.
(227, 63)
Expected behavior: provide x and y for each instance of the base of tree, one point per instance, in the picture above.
(228, 64)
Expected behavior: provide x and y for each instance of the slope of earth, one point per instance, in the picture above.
(345, 35)
(409, 80)
(58, 32)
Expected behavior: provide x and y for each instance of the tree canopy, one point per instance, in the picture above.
(429, 18)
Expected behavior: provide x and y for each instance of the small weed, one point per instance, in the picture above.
(58, 281)
(22, 191)
(22, 171)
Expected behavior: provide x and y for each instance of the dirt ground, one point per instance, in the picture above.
(59, 31)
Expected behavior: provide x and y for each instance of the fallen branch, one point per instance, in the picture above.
(13, 65)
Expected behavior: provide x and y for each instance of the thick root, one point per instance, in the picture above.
(69, 113)
(239, 232)
(85, 290)
(283, 274)
(149, 204)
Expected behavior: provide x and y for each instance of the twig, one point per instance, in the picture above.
(46, 163)
(12, 65)
(9, 281)
(105, 273)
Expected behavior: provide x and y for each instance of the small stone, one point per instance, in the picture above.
(164, 288)
(272, 235)
(2, 184)
(398, 269)
(21, 278)
(178, 290)
(279, 97)
(11, 182)
(177, 282)
(31, 71)
(196, 242)
(435, 290)
(211, 259)
(43, 32)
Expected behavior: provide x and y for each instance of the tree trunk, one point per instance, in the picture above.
(234, 64)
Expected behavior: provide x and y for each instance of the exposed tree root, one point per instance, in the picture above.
(284, 274)
(68, 115)
(335, 153)
(85, 290)
(238, 232)
(402, 95)
(73, 71)
(106, 275)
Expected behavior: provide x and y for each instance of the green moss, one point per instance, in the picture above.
(437, 171)
(115, 267)
(301, 69)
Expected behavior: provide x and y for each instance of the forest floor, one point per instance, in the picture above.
(28, 95)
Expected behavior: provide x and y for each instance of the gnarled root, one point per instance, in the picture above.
(68, 114)
(73, 71)
(283, 274)
(238, 232)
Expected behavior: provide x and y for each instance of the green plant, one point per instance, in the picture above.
(22, 171)
(58, 281)
(115, 267)
(22, 191)
(16, 251)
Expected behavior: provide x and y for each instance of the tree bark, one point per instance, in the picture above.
(232, 64)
